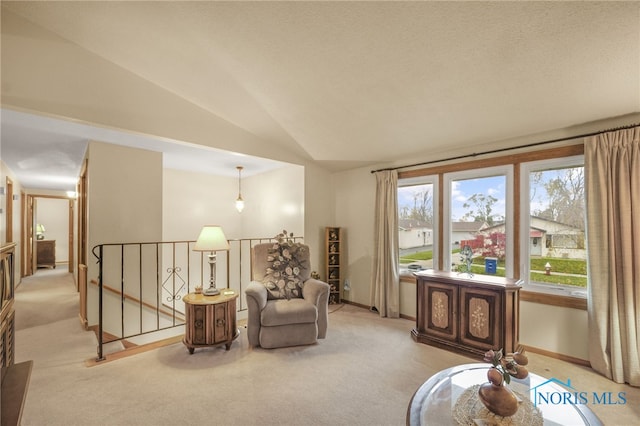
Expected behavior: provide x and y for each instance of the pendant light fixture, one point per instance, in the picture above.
(239, 201)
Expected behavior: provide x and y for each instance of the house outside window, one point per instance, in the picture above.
(476, 206)
(553, 210)
(550, 216)
(416, 223)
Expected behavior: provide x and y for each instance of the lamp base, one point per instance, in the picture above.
(211, 291)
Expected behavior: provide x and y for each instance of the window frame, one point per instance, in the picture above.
(426, 180)
(560, 151)
(478, 173)
(525, 222)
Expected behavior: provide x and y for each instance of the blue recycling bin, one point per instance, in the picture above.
(490, 265)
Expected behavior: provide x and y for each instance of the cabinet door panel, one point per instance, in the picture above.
(220, 323)
(440, 318)
(480, 318)
(199, 336)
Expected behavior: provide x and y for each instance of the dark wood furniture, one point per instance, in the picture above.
(210, 320)
(7, 312)
(334, 248)
(14, 378)
(15, 382)
(46, 253)
(467, 315)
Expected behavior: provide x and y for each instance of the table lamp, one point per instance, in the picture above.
(40, 231)
(211, 239)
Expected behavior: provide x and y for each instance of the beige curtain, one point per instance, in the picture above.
(612, 173)
(385, 286)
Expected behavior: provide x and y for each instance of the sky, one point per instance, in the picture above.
(495, 186)
(461, 190)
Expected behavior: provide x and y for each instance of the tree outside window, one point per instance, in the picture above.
(557, 217)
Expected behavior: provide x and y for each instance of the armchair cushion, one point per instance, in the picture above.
(287, 267)
(293, 311)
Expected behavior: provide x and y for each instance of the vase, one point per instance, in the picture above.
(498, 399)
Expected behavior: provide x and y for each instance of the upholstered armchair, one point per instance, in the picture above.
(286, 307)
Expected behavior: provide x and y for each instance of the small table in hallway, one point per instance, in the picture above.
(434, 401)
(210, 320)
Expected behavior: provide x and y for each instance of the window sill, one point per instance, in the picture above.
(565, 298)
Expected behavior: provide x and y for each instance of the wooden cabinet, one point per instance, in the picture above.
(334, 249)
(7, 312)
(468, 315)
(210, 320)
(14, 378)
(46, 253)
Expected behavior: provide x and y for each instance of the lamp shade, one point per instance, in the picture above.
(211, 238)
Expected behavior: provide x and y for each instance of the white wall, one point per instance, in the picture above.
(124, 202)
(53, 214)
(319, 212)
(191, 200)
(273, 201)
(554, 329)
(355, 200)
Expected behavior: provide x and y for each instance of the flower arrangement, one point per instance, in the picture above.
(505, 367)
(285, 258)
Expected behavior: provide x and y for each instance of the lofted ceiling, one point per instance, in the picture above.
(348, 84)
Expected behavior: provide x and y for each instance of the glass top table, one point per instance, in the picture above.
(434, 401)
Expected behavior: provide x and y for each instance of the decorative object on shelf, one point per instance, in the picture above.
(211, 239)
(239, 200)
(497, 397)
(40, 231)
(282, 278)
(315, 275)
(466, 257)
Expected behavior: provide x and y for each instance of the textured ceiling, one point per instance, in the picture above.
(371, 82)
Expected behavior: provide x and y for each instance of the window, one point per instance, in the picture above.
(553, 210)
(417, 221)
(476, 207)
(478, 210)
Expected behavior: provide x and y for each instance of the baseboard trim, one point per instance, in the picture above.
(359, 305)
(133, 351)
(556, 355)
(368, 308)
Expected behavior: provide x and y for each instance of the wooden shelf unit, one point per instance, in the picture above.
(334, 272)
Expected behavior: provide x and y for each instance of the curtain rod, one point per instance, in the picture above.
(475, 154)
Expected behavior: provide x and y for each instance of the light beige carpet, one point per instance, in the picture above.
(363, 373)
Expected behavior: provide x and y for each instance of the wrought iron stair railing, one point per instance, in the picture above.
(140, 286)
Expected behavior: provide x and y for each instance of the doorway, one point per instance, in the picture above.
(49, 230)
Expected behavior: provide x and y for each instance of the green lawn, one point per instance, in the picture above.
(423, 255)
(558, 266)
